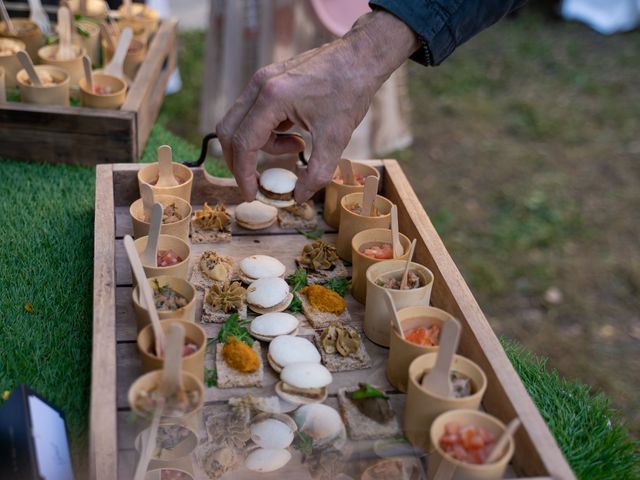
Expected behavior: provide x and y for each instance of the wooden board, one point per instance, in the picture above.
(116, 363)
(89, 136)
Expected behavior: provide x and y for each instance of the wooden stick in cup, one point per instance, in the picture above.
(65, 49)
(88, 74)
(27, 64)
(7, 19)
(108, 37)
(369, 196)
(497, 450)
(172, 366)
(146, 294)
(438, 380)
(149, 442)
(346, 172)
(405, 274)
(166, 178)
(150, 254)
(146, 193)
(394, 313)
(116, 66)
(396, 246)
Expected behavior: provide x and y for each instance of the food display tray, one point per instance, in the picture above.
(89, 136)
(116, 363)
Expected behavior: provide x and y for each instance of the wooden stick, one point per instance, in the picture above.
(395, 233)
(27, 64)
(88, 74)
(146, 193)
(107, 35)
(166, 178)
(7, 19)
(346, 172)
(394, 314)
(497, 450)
(405, 274)
(150, 254)
(172, 367)
(369, 196)
(145, 293)
(65, 49)
(149, 442)
(438, 380)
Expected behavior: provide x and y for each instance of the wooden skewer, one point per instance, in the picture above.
(394, 314)
(346, 172)
(502, 441)
(369, 196)
(395, 233)
(405, 274)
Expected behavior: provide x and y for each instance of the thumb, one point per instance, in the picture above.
(322, 165)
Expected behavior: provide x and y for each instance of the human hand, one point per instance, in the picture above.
(326, 91)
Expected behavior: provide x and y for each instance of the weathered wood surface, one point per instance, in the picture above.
(537, 455)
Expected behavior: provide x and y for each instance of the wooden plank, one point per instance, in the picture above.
(102, 438)
(147, 92)
(537, 452)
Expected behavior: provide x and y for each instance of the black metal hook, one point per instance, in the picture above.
(210, 136)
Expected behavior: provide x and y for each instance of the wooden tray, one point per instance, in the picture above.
(88, 136)
(116, 363)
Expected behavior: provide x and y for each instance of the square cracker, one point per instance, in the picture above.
(337, 363)
(322, 276)
(361, 427)
(209, 315)
(201, 281)
(209, 236)
(319, 319)
(230, 378)
(289, 220)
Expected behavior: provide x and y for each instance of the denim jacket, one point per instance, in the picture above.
(442, 25)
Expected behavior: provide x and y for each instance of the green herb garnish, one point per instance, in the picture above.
(367, 391)
(304, 443)
(297, 281)
(234, 327)
(338, 285)
(311, 234)
(210, 377)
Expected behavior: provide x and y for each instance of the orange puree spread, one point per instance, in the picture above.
(240, 356)
(324, 299)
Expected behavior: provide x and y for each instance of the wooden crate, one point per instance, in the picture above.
(116, 364)
(90, 136)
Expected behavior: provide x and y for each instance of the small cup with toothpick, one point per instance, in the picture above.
(151, 173)
(21, 29)
(9, 49)
(179, 285)
(42, 84)
(99, 90)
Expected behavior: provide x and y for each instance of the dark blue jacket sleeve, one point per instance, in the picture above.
(442, 25)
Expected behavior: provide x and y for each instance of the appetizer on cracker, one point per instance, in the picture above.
(367, 413)
(322, 306)
(238, 364)
(211, 225)
(223, 299)
(320, 260)
(212, 268)
(299, 216)
(342, 348)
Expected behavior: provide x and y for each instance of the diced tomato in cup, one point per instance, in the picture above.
(469, 444)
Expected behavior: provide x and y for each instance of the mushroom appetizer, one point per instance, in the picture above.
(341, 348)
(212, 268)
(299, 216)
(320, 260)
(221, 300)
(211, 225)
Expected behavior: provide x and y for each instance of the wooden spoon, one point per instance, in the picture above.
(395, 233)
(149, 442)
(438, 380)
(39, 16)
(7, 19)
(146, 193)
(150, 254)
(346, 172)
(497, 450)
(369, 196)
(116, 66)
(405, 274)
(65, 49)
(394, 314)
(88, 75)
(165, 168)
(172, 367)
(146, 294)
(27, 64)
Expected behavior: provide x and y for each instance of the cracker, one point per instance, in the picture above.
(361, 427)
(319, 319)
(289, 220)
(201, 281)
(337, 363)
(339, 270)
(231, 378)
(209, 236)
(209, 315)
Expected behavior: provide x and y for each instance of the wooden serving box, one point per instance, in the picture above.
(116, 362)
(89, 136)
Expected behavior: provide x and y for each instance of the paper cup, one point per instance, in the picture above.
(57, 94)
(142, 14)
(423, 406)
(361, 262)
(96, 9)
(178, 229)
(193, 363)
(402, 352)
(74, 68)
(334, 192)
(166, 242)
(177, 458)
(91, 43)
(133, 59)
(9, 61)
(467, 471)
(109, 101)
(149, 175)
(377, 314)
(139, 29)
(152, 380)
(28, 32)
(352, 223)
(180, 285)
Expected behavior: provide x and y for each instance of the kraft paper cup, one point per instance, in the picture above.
(142, 14)
(9, 62)
(178, 229)
(28, 32)
(180, 285)
(334, 192)
(377, 313)
(157, 472)
(177, 458)
(90, 43)
(133, 59)
(149, 175)
(109, 101)
(139, 29)
(193, 363)
(423, 406)
(57, 94)
(96, 9)
(467, 471)
(73, 67)
(166, 242)
(152, 380)
(361, 262)
(351, 223)
(403, 352)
